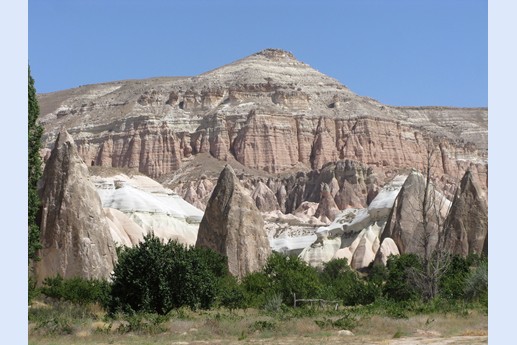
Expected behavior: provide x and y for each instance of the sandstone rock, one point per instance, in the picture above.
(404, 225)
(148, 207)
(267, 112)
(467, 222)
(345, 332)
(75, 235)
(354, 234)
(387, 248)
(327, 208)
(124, 231)
(233, 226)
(264, 198)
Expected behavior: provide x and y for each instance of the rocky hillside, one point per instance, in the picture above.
(268, 114)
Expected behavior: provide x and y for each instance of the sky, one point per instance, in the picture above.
(400, 52)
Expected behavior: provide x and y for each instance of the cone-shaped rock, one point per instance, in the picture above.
(327, 208)
(233, 226)
(405, 226)
(467, 223)
(264, 198)
(75, 235)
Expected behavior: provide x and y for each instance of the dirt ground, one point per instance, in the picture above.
(351, 340)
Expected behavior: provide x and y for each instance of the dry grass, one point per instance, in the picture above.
(254, 327)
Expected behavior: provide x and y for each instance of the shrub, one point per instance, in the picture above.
(345, 284)
(231, 295)
(157, 277)
(476, 284)
(289, 274)
(273, 303)
(452, 282)
(77, 290)
(256, 286)
(398, 286)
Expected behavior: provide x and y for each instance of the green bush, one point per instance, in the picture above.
(289, 274)
(476, 284)
(231, 295)
(398, 287)
(77, 290)
(452, 282)
(343, 283)
(256, 286)
(156, 277)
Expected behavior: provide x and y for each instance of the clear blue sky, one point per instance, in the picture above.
(400, 52)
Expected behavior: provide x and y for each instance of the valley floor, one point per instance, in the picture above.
(253, 327)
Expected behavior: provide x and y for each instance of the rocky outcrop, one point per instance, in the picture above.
(264, 198)
(138, 205)
(467, 222)
(75, 235)
(354, 234)
(233, 226)
(327, 209)
(124, 231)
(405, 224)
(269, 112)
(387, 248)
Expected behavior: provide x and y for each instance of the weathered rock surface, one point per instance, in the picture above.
(387, 248)
(269, 112)
(146, 206)
(264, 198)
(75, 235)
(233, 226)
(354, 234)
(405, 223)
(327, 209)
(124, 231)
(467, 222)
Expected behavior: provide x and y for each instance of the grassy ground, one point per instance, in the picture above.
(62, 323)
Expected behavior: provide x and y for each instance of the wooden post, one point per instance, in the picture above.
(294, 299)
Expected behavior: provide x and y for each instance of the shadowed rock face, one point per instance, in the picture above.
(233, 226)
(269, 112)
(75, 235)
(467, 223)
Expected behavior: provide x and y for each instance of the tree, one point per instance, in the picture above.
(289, 274)
(432, 210)
(35, 131)
(157, 277)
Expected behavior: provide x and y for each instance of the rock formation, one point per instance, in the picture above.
(354, 234)
(264, 198)
(138, 205)
(387, 248)
(327, 208)
(467, 222)
(405, 222)
(233, 226)
(269, 112)
(286, 129)
(75, 236)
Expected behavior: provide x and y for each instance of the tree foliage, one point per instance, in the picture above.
(35, 131)
(157, 277)
(398, 286)
(289, 274)
(345, 284)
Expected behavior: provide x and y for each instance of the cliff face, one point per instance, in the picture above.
(268, 112)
